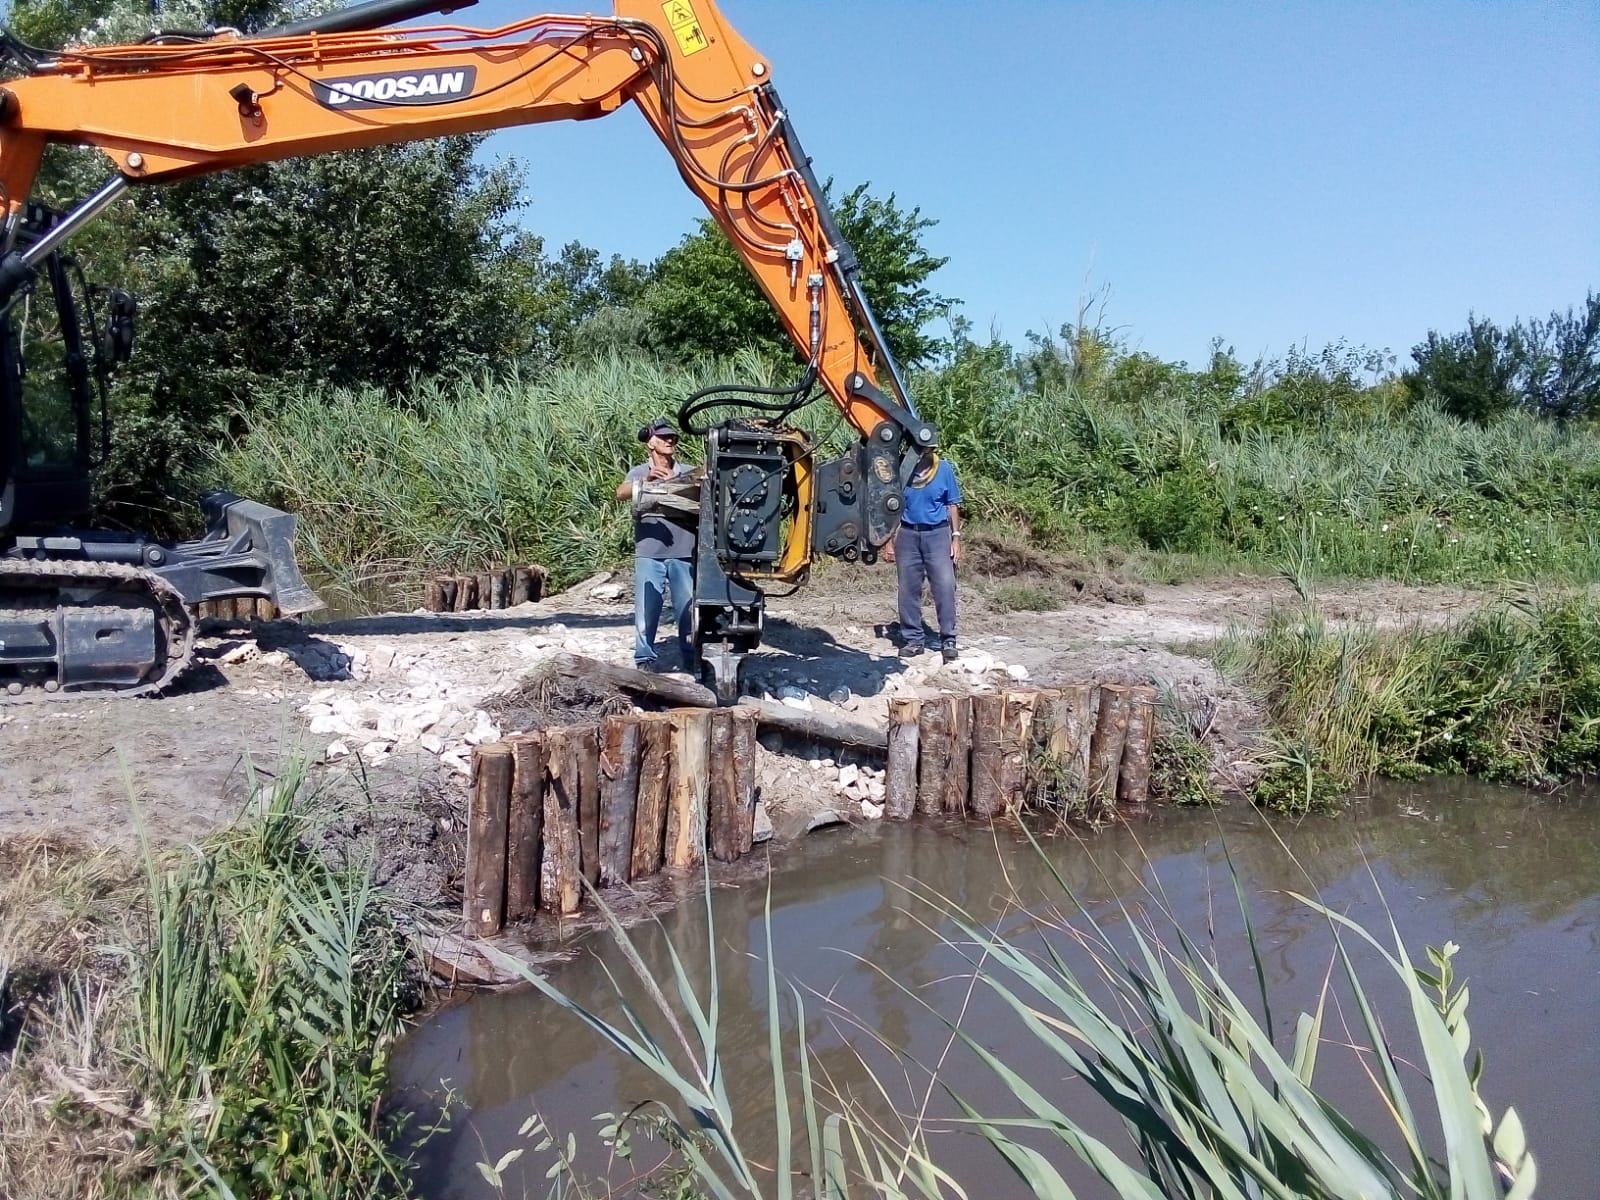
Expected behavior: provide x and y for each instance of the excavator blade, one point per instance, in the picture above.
(247, 550)
(271, 534)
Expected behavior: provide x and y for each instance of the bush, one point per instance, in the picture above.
(1505, 694)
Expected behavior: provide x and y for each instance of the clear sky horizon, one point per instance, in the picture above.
(1273, 175)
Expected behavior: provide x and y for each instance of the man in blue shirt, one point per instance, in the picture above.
(663, 551)
(927, 548)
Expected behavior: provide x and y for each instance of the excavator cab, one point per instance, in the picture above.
(91, 610)
(47, 393)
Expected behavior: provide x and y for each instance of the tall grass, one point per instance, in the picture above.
(467, 473)
(1411, 495)
(1511, 692)
(216, 1024)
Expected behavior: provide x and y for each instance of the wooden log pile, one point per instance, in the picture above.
(238, 610)
(605, 804)
(986, 755)
(499, 587)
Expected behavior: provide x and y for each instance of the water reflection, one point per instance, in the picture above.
(1515, 879)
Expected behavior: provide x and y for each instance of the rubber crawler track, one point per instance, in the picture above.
(175, 626)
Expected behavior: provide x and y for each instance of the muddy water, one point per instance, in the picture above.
(1513, 878)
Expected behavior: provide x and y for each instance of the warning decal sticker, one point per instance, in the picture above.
(685, 26)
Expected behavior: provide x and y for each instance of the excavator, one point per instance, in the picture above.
(96, 613)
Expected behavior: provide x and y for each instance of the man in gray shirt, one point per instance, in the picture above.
(663, 551)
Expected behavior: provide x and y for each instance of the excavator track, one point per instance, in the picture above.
(49, 606)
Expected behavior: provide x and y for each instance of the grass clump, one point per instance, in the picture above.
(229, 1033)
(1509, 693)
(1024, 597)
(270, 987)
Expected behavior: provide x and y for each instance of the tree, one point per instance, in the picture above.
(1471, 374)
(1551, 368)
(702, 300)
(1563, 363)
(363, 267)
(578, 303)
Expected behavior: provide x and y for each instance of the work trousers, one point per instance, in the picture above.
(652, 577)
(924, 554)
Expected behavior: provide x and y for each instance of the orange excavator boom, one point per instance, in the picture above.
(181, 106)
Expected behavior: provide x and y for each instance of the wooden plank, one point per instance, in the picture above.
(456, 961)
(449, 585)
(821, 727)
(525, 830)
(1133, 775)
(662, 687)
(988, 755)
(619, 796)
(650, 815)
(957, 778)
(1016, 736)
(1105, 748)
(560, 873)
(484, 890)
(538, 582)
(499, 587)
(466, 593)
(933, 743)
(900, 780)
(686, 802)
(433, 595)
(588, 744)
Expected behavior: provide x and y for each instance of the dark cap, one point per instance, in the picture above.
(660, 427)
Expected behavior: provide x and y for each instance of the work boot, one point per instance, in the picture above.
(949, 651)
(912, 649)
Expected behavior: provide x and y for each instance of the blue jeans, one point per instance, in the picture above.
(924, 554)
(651, 579)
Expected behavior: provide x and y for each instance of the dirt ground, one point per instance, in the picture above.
(389, 706)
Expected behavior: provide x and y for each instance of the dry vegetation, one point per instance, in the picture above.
(70, 1115)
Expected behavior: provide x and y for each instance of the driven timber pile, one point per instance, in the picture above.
(238, 610)
(610, 803)
(616, 802)
(1089, 749)
(501, 587)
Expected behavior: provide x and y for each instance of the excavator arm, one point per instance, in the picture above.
(182, 105)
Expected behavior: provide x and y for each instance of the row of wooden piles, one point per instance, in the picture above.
(502, 587)
(615, 802)
(610, 803)
(240, 609)
(1079, 749)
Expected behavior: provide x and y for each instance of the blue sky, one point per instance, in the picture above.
(1271, 174)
